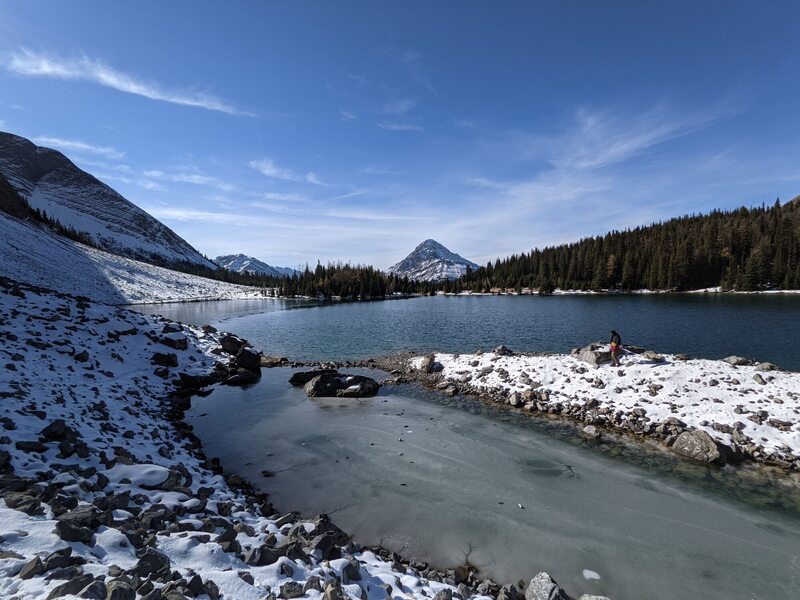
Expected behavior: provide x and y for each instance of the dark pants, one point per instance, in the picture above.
(615, 357)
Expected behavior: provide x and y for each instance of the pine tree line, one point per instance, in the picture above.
(745, 249)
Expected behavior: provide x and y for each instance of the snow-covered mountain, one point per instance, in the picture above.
(430, 261)
(34, 254)
(50, 182)
(247, 264)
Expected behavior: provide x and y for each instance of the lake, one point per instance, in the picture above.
(442, 479)
(702, 325)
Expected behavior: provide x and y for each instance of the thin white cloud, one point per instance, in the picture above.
(268, 168)
(482, 182)
(388, 125)
(398, 106)
(193, 177)
(347, 115)
(33, 64)
(78, 146)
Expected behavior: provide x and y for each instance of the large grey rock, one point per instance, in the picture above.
(73, 533)
(343, 386)
(592, 354)
(736, 361)
(544, 587)
(152, 562)
(765, 366)
(71, 587)
(120, 590)
(697, 445)
(303, 377)
(427, 364)
(94, 591)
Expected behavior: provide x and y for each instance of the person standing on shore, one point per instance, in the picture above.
(616, 347)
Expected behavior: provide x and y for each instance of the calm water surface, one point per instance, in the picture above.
(441, 479)
(709, 326)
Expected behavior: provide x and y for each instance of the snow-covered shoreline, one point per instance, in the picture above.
(107, 494)
(704, 409)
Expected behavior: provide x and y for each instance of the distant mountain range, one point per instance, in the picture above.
(55, 186)
(239, 263)
(430, 261)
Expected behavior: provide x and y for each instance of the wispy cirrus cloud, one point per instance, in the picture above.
(347, 115)
(35, 64)
(394, 126)
(268, 168)
(193, 177)
(398, 106)
(78, 146)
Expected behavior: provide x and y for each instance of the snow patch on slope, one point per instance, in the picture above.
(34, 255)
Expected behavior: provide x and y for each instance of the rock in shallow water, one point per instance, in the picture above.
(337, 385)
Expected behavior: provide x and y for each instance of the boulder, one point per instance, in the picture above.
(503, 351)
(303, 377)
(73, 533)
(231, 344)
(243, 377)
(117, 589)
(766, 366)
(273, 361)
(759, 379)
(654, 356)
(32, 568)
(544, 587)
(697, 445)
(292, 589)
(331, 385)
(592, 354)
(164, 359)
(94, 591)
(152, 562)
(736, 361)
(427, 364)
(58, 430)
(249, 359)
(71, 587)
(177, 341)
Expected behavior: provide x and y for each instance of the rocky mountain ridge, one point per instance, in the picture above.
(52, 184)
(431, 261)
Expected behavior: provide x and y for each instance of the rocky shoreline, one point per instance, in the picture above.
(699, 410)
(107, 494)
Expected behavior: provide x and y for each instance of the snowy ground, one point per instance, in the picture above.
(743, 407)
(36, 256)
(108, 495)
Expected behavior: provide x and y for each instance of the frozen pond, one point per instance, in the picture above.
(442, 479)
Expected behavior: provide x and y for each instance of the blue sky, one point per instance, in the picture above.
(297, 131)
